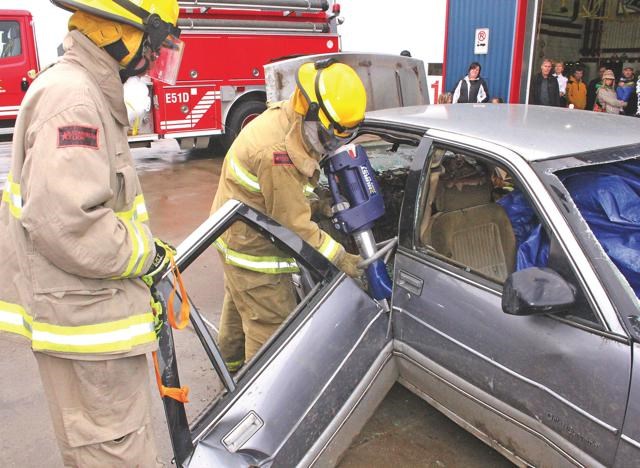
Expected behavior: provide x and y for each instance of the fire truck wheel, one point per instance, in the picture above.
(240, 116)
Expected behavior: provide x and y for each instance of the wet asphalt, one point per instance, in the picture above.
(179, 188)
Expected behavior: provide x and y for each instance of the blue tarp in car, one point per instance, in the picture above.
(531, 240)
(608, 198)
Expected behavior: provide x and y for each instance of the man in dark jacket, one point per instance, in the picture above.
(544, 87)
(592, 89)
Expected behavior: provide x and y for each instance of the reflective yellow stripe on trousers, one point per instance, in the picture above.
(108, 337)
(266, 264)
(12, 197)
(133, 219)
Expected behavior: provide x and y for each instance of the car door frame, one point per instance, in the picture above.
(544, 205)
(356, 373)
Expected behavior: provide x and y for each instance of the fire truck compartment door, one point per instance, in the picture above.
(390, 80)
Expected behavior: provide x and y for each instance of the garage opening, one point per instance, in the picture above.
(590, 34)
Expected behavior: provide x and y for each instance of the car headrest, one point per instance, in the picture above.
(464, 183)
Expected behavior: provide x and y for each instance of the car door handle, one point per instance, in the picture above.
(411, 283)
(242, 432)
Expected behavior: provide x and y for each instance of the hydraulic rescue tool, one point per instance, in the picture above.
(357, 204)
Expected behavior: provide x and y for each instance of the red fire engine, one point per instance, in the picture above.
(220, 84)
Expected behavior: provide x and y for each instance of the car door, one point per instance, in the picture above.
(312, 385)
(542, 389)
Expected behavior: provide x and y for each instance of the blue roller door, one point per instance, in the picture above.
(464, 17)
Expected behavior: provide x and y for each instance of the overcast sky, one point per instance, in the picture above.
(416, 25)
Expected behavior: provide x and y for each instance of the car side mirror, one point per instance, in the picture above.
(536, 291)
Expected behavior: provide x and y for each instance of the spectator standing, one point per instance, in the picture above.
(544, 87)
(592, 89)
(627, 91)
(446, 98)
(577, 90)
(606, 96)
(562, 82)
(471, 88)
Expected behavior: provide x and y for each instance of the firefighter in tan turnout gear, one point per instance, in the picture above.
(74, 237)
(272, 166)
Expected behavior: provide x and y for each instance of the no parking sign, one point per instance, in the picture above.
(481, 41)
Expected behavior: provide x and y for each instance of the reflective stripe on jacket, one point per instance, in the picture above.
(73, 220)
(269, 169)
(249, 181)
(106, 337)
(271, 265)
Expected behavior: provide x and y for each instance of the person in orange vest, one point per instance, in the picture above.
(270, 166)
(76, 245)
(577, 90)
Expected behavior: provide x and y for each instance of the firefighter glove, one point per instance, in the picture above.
(349, 264)
(164, 253)
(322, 205)
(156, 309)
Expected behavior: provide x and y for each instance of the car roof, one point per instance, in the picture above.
(534, 132)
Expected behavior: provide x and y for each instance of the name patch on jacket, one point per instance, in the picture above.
(77, 135)
(280, 158)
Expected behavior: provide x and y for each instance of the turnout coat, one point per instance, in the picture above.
(74, 238)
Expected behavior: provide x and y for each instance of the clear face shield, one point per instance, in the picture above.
(162, 50)
(164, 62)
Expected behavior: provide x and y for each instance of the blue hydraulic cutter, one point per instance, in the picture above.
(357, 204)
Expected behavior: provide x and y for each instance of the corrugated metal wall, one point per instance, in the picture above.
(464, 17)
(623, 35)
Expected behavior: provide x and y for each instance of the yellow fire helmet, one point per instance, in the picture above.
(335, 95)
(157, 19)
(121, 41)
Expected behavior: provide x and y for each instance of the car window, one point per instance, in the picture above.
(10, 39)
(252, 291)
(475, 217)
(390, 162)
(607, 197)
(222, 292)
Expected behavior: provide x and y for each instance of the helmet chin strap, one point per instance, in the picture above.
(138, 65)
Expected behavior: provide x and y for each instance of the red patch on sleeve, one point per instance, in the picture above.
(77, 135)
(280, 158)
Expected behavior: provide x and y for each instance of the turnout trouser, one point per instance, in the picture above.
(255, 305)
(100, 410)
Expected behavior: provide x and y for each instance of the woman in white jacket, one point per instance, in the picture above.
(471, 88)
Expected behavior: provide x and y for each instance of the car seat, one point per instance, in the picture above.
(467, 226)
